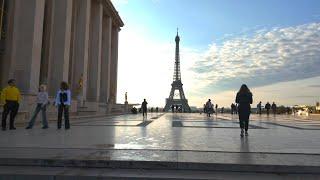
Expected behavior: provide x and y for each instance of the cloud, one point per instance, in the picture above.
(274, 63)
(306, 96)
(314, 86)
(264, 58)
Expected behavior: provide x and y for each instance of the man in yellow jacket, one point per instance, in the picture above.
(11, 97)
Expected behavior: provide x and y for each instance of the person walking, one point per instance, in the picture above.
(11, 97)
(288, 110)
(172, 108)
(216, 109)
(259, 107)
(244, 99)
(144, 107)
(42, 102)
(209, 107)
(267, 107)
(236, 108)
(232, 108)
(274, 108)
(63, 102)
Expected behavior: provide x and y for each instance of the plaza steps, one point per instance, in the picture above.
(143, 161)
(63, 173)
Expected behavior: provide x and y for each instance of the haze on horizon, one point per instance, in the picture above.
(272, 46)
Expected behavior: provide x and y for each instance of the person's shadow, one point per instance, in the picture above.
(245, 156)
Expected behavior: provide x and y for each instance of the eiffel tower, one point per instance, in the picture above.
(177, 85)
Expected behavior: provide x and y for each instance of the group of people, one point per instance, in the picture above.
(267, 106)
(176, 108)
(241, 107)
(208, 108)
(11, 97)
(234, 108)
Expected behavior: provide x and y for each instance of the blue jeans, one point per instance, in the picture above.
(43, 109)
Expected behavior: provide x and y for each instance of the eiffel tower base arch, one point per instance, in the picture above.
(181, 102)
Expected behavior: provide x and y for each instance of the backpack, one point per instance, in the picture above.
(63, 97)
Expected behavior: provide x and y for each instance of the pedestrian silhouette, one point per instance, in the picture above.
(144, 108)
(216, 109)
(209, 107)
(259, 106)
(274, 108)
(244, 99)
(267, 107)
(288, 110)
(233, 107)
(172, 108)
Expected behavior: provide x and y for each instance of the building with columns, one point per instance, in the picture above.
(49, 41)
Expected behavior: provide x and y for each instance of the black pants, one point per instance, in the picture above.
(244, 120)
(63, 109)
(244, 114)
(144, 111)
(11, 107)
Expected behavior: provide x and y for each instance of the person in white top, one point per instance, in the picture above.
(63, 102)
(42, 102)
(209, 107)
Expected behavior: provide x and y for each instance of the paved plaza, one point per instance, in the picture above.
(282, 144)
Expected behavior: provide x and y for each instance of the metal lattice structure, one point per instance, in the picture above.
(177, 84)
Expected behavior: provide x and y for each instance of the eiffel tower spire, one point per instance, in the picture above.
(177, 73)
(177, 84)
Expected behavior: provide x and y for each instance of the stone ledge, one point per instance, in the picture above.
(161, 160)
(63, 173)
(160, 165)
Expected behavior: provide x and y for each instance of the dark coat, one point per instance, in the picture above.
(144, 105)
(244, 100)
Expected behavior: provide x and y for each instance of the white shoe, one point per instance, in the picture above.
(246, 134)
(241, 133)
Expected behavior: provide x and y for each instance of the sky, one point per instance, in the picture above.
(273, 46)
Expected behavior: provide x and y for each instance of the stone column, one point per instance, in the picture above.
(26, 44)
(46, 39)
(95, 52)
(105, 59)
(114, 65)
(6, 59)
(60, 44)
(81, 50)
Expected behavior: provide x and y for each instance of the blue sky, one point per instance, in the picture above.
(275, 41)
(214, 18)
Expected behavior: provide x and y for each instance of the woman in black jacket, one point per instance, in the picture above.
(244, 99)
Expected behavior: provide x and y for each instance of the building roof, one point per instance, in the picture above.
(113, 12)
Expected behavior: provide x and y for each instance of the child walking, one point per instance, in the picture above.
(42, 102)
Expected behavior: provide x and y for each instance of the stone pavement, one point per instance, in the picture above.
(282, 144)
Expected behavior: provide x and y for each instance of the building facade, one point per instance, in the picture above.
(49, 41)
